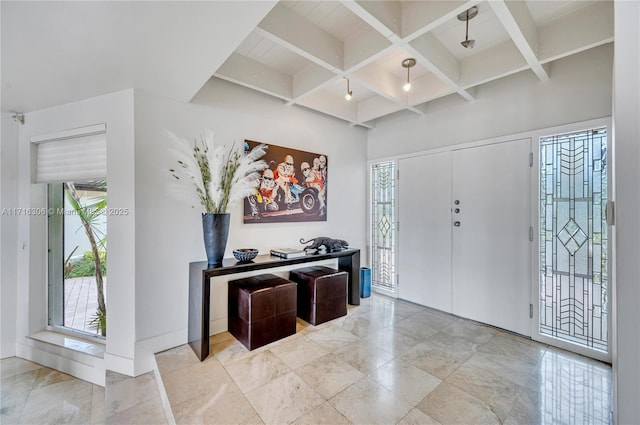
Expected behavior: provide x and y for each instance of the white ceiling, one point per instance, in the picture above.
(298, 51)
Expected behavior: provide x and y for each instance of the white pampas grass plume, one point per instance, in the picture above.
(186, 169)
(247, 175)
(220, 177)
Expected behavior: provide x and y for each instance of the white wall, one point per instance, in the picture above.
(150, 248)
(626, 360)
(116, 110)
(169, 231)
(8, 235)
(579, 89)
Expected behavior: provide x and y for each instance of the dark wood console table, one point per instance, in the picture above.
(200, 286)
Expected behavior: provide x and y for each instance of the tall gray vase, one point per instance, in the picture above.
(215, 228)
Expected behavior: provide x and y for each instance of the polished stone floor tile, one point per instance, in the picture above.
(505, 348)
(298, 351)
(147, 412)
(11, 407)
(459, 347)
(194, 380)
(367, 402)
(417, 417)
(332, 337)
(392, 341)
(284, 399)
(450, 405)
(176, 358)
(512, 370)
(256, 370)
(470, 330)
(405, 380)
(325, 414)
(417, 326)
(15, 366)
(484, 384)
(358, 325)
(223, 403)
(387, 361)
(226, 349)
(362, 356)
(67, 401)
(329, 375)
(431, 360)
(127, 393)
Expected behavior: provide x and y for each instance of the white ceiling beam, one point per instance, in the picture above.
(430, 52)
(255, 75)
(493, 63)
(310, 79)
(330, 104)
(517, 20)
(376, 107)
(362, 46)
(588, 27)
(381, 82)
(285, 27)
(383, 16)
(420, 17)
(426, 88)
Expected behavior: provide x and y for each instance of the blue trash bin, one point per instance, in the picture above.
(365, 282)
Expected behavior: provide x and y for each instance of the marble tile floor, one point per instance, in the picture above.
(386, 362)
(34, 394)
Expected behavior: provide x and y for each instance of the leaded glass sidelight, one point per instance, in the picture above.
(573, 238)
(383, 229)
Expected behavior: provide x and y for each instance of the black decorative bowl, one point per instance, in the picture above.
(245, 254)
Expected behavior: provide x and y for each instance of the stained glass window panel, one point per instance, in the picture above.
(574, 238)
(383, 229)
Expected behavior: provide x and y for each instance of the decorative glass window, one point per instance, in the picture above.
(383, 228)
(574, 238)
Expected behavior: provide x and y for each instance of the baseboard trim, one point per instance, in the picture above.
(79, 365)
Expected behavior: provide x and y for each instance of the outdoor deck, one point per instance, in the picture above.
(80, 302)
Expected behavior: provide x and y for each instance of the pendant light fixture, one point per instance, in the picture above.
(466, 16)
(349, 93)
(408, 63)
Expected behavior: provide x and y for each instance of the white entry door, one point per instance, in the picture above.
(424, 259)
(490, 234)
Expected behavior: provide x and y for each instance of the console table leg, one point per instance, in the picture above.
(199, 308)
(351, 265)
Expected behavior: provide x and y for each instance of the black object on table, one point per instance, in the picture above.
(200, 286)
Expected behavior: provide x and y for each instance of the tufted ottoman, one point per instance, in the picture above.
(262, 309)
(322, 293)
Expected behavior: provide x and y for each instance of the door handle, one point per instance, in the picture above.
(456, 223)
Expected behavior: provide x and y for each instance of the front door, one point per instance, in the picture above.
(425, 230)
(491, 205)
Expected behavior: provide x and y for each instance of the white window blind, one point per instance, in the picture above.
(74, 155)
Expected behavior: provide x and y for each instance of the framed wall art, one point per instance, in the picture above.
(292, 189)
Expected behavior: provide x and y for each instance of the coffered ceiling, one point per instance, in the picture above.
(303, 51)
(56, 52)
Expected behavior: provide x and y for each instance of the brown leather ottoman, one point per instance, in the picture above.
(261, 309)
(322, 293)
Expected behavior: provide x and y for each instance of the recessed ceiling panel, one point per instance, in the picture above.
(485, 28)
(338, 88)
(392, 63)
(332, 41)
(331, 16)
(544, 12)
(268, 53)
